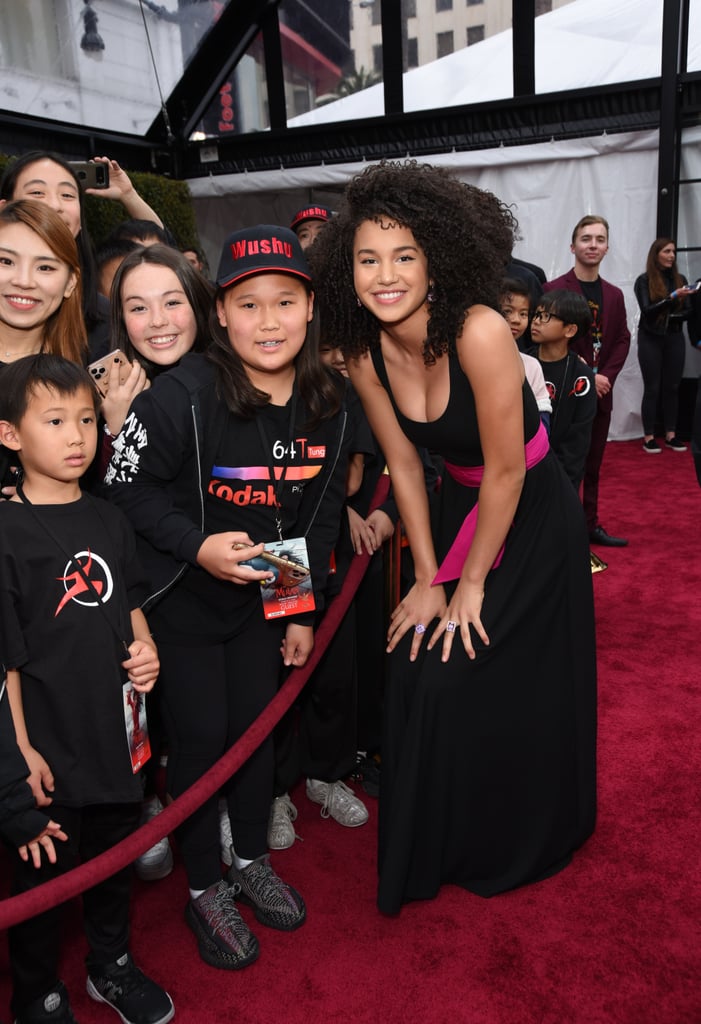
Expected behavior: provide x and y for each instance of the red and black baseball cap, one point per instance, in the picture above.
(311, 213)
(260, 249)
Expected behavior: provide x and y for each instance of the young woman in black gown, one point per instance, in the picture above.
(488, 777)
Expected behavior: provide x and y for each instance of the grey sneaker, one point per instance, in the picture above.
(223, 937)
(275, 903)
(157, 862)
(281, 833)
(337, 801)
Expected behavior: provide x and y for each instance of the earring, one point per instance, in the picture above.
(430, 294)
(358, 301)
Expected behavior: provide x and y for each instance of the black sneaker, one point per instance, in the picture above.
(367, 772)
(52, 1008)
(651, 447)
(223, 937)
(275, 903)
(125, 988)
(675, 444)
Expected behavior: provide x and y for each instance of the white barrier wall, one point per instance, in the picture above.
(551, 186)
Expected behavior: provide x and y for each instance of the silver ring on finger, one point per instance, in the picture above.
(419, 628)
(451, 626)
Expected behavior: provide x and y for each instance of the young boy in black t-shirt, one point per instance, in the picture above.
(561, 318)
(69, 613)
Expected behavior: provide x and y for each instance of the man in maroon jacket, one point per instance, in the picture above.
(604, 348)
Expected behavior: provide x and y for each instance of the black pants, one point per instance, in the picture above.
(35, 944)
(210, 695)
(317, 738)
(661, 358)
(592, 468)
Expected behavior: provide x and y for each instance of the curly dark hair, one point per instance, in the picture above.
(466, 233)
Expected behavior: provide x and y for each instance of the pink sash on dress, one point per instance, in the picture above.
(471, 476)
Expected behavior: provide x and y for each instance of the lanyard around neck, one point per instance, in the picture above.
(278, 482)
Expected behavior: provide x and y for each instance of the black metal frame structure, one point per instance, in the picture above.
(668, 103)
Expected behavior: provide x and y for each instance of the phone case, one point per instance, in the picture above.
(99, 370)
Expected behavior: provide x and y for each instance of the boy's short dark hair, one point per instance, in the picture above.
(114, 249)
(585, 222)
(138, 231)
(572, 307)
(20, 380)
(514, 286)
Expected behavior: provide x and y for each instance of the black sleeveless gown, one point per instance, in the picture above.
(488, 766)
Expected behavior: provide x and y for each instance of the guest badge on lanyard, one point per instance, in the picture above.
(290, 591)
(137, 729)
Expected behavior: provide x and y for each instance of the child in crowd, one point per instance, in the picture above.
(515, 306)
(78, 647)
(237, 453)
(195, 258)
(108, 258)
(159, 312)
(308, 222)
(143, 232)
(561, 318)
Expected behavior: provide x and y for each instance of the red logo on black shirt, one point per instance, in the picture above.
(98, 583)
(581, 387)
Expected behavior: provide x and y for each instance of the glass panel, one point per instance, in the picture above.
(689, 220)
(241, 103)
(578, 47)
(693, 60)
(441, 71)
(332, 53)
(91, 64)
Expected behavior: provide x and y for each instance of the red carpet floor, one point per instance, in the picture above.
(614, 939)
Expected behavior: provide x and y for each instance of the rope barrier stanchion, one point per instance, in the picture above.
(65, 887)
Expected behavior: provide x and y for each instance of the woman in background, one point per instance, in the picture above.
(662, 294)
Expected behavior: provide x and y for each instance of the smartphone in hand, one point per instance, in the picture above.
(100, 370)
(91, 175)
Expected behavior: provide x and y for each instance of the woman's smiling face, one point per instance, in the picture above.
(390, 271)
(157, 314)
(33, 280)
(48, 182)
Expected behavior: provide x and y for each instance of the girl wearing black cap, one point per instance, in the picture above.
(238, 453)
(489, 742)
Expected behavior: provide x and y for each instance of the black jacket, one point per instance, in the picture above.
(664, 317)
(161, 469)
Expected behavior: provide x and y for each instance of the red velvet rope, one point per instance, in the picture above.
(43, 897)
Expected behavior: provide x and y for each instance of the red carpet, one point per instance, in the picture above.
(614, 939)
